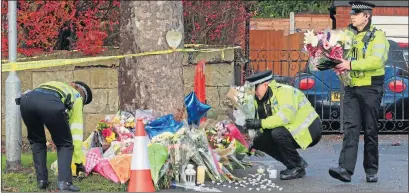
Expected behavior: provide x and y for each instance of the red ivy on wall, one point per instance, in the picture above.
(214, 22)
(40, 24)
(93, 24)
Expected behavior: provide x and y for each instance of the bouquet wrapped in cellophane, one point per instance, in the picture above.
(243, 99)
(326, 49)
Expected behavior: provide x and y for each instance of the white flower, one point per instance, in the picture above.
(310, 38)
(335, 37)
(346, 40)
(348, 43)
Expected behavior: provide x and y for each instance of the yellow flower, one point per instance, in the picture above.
(110, 138)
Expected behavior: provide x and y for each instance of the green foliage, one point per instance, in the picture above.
(158, 154)
(25, 179)
(282, 8)
(27, 159)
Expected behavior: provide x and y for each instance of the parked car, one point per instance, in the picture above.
(323, 90)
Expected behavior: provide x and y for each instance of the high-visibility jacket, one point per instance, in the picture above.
(291, 109)
(367, 61)
(75, 115)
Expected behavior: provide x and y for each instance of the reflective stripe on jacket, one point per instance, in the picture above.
(75, 115)
(291, 109)
(376, 55)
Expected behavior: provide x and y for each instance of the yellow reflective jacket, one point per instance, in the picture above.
(363, 67)
(75, 115)
(291, 109)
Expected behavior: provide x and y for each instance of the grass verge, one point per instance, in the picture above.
(24, 180)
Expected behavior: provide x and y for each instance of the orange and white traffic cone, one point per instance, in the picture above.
(140, 178)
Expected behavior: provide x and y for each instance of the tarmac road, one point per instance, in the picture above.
(393, 171)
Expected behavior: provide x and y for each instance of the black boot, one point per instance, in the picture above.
(67, 186)
(297, 172)
(371, 178)
(42, 184)
(340, 174)
(304, 164)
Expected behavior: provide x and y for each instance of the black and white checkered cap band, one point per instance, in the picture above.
(361, 7)
(84, 91)
(268, 78)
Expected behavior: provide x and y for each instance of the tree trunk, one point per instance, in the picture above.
(150, 82)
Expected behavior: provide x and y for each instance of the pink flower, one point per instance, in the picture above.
(326, 44)
(106, 132)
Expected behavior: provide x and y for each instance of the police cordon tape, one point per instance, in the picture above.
(19, 66)
(74, 51)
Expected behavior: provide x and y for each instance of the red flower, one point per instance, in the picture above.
(336, 53)
(106, 132)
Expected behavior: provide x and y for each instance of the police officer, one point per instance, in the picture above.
(364, 93)
(58, 106)
(287, 122)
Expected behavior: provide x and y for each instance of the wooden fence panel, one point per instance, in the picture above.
(263, 44)
(272, 50)
(302, 23)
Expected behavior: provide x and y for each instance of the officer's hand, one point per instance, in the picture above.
(344, 65)
(253, 124)
(258, 153)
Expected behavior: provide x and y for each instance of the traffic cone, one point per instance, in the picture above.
(140, 178)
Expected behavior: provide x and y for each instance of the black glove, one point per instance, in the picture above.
(79, 168)
(253, 123)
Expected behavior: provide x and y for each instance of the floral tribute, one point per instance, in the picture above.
(326, 49)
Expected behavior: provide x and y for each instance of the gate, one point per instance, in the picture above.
(325, 91)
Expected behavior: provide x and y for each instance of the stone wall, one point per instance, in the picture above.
(103, 79)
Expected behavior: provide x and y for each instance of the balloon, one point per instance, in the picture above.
(163, 124)
(195, 109)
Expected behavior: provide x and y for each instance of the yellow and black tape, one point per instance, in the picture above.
(18, 66)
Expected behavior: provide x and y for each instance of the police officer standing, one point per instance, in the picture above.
(364, 93)
(58, 106)
(287, 122)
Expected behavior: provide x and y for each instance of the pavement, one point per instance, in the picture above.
(393, 170)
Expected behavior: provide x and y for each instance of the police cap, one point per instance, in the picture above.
(260, 77)
(359, 6)
(87, 91)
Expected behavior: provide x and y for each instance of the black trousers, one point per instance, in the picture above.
(361, 110)
(280, 144)
(39, 109)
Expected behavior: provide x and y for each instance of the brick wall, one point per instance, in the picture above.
(103, 79)
(343, 17)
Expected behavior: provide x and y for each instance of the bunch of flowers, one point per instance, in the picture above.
(242, 98)
(225, 144)
(106, 129)
(218, 136)
(115, 128)
(326, 50)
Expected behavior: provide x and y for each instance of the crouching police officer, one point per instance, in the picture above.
(58, 106)
(287, 122)
(363, 95)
